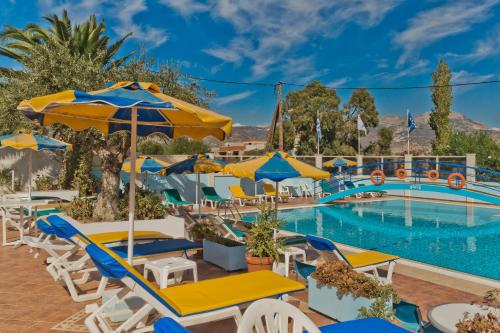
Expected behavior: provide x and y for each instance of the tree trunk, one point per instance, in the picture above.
(112, 156)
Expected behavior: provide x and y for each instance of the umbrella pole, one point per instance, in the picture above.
(198, 193)
(30, 171)
(131, 196)
(276, 200)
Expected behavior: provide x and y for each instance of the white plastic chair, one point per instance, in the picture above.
(274, 316)
(305, 189)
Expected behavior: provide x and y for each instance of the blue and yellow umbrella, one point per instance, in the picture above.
(109, 110)
(32, 141)
(196, 164)
(276, 166)
(138, 107)
(339, 162)
(146, 164)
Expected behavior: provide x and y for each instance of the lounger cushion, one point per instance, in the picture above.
(157, 247)
(227, 291)
(367, 258)
(367, 325)
(121, 236)
(169, 325)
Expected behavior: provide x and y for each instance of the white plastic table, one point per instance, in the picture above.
(445, 317)
(292, 251)
(162, 268)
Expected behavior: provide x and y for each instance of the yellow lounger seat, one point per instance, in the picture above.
(121, 236)
(227, 291)
(238, 193)
(367, 258)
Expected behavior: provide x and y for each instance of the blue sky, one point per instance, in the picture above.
(340, 42)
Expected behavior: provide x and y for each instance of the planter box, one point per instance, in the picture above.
(325, 300)
(231, 258)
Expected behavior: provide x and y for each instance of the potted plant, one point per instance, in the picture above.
(488, 322)
(262, 248)
(339, 292)
(225, 253)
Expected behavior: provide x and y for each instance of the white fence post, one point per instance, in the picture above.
(318, 161)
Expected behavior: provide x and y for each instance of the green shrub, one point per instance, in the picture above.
(150, 147)
(44, 183)
(148, 206)
(80, 209)
(83, 181)
(347, 281)
(261, 242)
(5, 177)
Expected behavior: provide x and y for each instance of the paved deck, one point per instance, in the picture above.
(31, 301)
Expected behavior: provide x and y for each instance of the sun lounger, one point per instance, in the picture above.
(365, 261)
(225, 228)
(239, 195)
(270, 192)
(350, 185)
(271, 316)
(189, 304)
(210, 195)
(63, 270)
(174, 199)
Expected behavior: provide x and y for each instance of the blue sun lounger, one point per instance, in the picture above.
(190, 304)
(366, 325)
(362, 262)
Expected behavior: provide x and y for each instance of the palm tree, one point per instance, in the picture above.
(87, 39)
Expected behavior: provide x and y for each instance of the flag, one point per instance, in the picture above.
(318, 128)
(411, 123)
(361, 125)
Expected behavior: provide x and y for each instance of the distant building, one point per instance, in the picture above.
(238, 148)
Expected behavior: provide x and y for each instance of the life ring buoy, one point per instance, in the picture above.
(400, 173)
(452, 181)
(376, 173)
(433, 174)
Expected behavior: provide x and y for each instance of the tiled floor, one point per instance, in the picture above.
(31, 301)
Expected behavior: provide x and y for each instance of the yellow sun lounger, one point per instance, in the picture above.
(363, 261)
(270, 191)
(122, 236)
(189, 304)
(237, 193)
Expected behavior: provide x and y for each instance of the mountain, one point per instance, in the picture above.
(420, 139)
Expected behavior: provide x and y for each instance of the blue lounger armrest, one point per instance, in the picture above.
(157, 247)
(168, 325)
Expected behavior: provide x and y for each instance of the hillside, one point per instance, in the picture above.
(421, 138)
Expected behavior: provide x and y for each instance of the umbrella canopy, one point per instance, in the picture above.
(339, 162)
(276, 166)
(33, 141)
(196, 164)
(147, 164)
(108, 110)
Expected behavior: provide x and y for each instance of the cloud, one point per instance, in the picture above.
(268, 32)
(186, 7)
(119, 16)
(464, 76)
(483, 49)
(339, 82)
(233, 98)
(429, 26)
(421, 66)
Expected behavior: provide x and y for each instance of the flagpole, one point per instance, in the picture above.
(317, 135)
(359, 142)
(408, 130)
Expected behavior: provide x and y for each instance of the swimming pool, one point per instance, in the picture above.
(457, 237)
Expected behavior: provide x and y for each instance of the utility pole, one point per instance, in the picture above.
(280, 110)
(277, 117)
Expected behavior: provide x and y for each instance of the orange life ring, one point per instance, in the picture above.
(379, 173)
(451, 181)
(400, 173)
(433, 174)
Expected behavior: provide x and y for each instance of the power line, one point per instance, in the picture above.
(269, 84)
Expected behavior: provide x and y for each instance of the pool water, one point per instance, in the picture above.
(457, 237)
